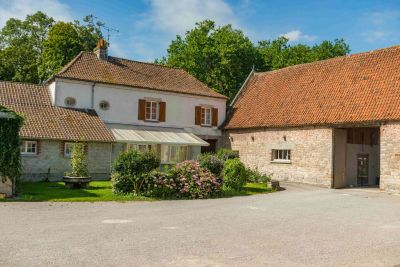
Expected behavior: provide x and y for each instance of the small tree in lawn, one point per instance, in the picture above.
(78, 162)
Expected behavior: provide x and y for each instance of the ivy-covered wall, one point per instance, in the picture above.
(10, 156)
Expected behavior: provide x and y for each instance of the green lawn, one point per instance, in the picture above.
(101, 191)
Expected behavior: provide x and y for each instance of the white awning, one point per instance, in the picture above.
(154, 135)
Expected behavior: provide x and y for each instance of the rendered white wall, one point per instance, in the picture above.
(52, 89)
(180, 108)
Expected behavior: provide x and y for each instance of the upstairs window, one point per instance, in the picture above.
(28, 148)
(152, 110)
(70, 101)
(104, 105)
(281, 155)
(205, 116)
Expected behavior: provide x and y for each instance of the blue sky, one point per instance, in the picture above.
(146, 27)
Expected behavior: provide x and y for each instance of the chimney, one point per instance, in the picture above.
(101, 50)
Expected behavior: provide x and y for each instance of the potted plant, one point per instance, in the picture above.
(79, 176)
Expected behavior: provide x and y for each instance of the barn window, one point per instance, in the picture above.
(281, 155)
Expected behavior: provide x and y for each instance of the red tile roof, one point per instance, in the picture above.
(44, 121)
(87, 67)
(359, 88)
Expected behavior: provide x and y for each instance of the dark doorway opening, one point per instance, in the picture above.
(356, 159)
(211, 148)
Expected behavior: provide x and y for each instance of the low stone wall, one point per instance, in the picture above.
(311, 152)
(50, 162)
(390, 158)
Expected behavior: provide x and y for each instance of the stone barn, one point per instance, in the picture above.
(334, 123)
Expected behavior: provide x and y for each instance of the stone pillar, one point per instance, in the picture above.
(6, 186)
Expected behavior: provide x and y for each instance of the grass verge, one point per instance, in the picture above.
(102, 191)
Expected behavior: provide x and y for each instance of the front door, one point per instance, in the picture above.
(362, 169)
(339, 158)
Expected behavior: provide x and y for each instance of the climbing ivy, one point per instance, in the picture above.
(10, 156)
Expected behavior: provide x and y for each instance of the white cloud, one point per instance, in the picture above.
(20, 8)
(381, 26)
(178, 16)
(297, 35)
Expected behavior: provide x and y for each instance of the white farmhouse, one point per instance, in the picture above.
(113, 104)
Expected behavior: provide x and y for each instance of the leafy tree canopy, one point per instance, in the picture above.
(222, 57)
(29, 49)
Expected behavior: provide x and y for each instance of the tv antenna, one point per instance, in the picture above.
(102, 25)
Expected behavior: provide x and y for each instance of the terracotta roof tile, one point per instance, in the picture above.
(359, 88)
(44, 121)
(86, 66)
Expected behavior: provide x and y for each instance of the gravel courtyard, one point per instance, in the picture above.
(301, 226)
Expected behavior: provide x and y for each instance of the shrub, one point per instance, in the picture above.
(194, 181)
(234, 174)
(225, 154)
(212, 163)
(133, 167)
(161, 184)
(121, 184)
(79, 164)
(254, 176)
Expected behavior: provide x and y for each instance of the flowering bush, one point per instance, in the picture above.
(234, 174)
(212, 163)
(194, 181)
(161, 184)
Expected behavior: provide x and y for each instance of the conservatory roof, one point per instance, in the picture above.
(154, 135)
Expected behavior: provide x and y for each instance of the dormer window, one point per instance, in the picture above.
(104, 105)
(70, 102)
(152, 110)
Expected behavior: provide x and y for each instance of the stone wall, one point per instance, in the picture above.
(390, 157)
(311, 152)
(50, 162)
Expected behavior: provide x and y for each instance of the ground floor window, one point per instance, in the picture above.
(68, 149)
(167, 153)
(281, 155)
(173, 153)
(28, 148)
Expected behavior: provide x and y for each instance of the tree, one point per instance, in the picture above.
(278, 53)
(220, 57)
(21, 47)
(33, 49)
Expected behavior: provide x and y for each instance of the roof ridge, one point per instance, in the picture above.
(148, 63)
(330, 59)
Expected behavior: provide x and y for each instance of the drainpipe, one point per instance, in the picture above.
(92, 104)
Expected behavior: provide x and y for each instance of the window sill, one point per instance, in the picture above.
(206, 126)
(28, 155)
(151, 120)
(281, 161)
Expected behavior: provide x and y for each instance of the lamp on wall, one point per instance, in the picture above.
(231, 138)
(252, 138)
(284, 138)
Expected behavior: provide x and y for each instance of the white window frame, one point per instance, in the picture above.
(149, 115)
(206, 121)
(25, 145)
(66, 144)
(281, 156)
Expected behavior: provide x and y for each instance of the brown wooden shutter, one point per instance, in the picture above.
(62, 145)
(142, 110)
(197, 115)
(38, 147)
(162, 111)
(214, 117)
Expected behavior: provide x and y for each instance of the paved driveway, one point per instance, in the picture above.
(297, 227)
